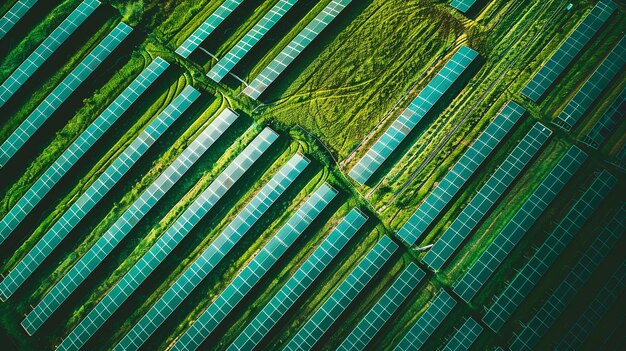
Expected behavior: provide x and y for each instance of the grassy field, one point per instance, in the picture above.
(330, 105)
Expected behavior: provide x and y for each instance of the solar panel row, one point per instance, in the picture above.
(213, 254)
(256, 269)
(69, 84)
(487, 196)
(27, 68)
(527, 278)
(79, 147)
(96, 192)
(593, 87)
(411, 116)
(301, 280)
(462, 5)
(620, 158)
(14, 15)
(464, 336)
(251, 38)
(458, 175)
(207, 27)
(541, 321)
(168, 241)
(345, 294)
(127, 221)
(427, 323)
(294, 48)
(604, 300)
(378, 315)
(467, 287)
(608, 122)
(568, 50)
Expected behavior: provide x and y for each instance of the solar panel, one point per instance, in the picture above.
(255, 270)
(608, 122)
(427, 323)
(345, 294)
(464, 168)
(462, 5)
(46, 49)
(620, 158)
(577, 276)
(412, 115)
(464, 336)
(299, 282)
(127, 221)
(524, 218)
(604, 300)
(207, 27)
(251, 38)
(568, 50)
(294, 48)
(79, 147)
(213, 254)
(374, 320)
(69, 84)
(593, 87)
(96, 192)
(168, 241)
(527, 278)
(14, 15)
(487, 196)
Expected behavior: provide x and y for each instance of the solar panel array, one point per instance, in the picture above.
(345, 293)
(69, 84)
(427, 323)
(411, 116)
(14, 15)
(464, 336)
(256, 269)
(374, 320)
(219, 71)
(577, 276)
(207, 27)
(620, 158)
(27, 68)
(294, 48)
(604, 300)
(168, 241)
(524, 218)
(527, 278)
(80, 146)
(608, 122)
(464, 168)
(568, 50)
(462, 5)
(127, 221)
(213, 254)
(96, 192)
(301, 280)
(593, 87)
(487, 196)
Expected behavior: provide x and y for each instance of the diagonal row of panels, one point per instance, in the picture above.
(14, 14)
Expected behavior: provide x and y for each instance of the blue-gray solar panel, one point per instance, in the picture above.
(299, 282)
(526, 279)
(213, 254)
(343, 296)
(608, 122)
(80, 146)
(90, 198)
(462, 5)
(14, 15)
(69, 84)
(256, 269)
(411, 116)
(497, 251)
(168, 241)
(560, 298)
(465, 336)
(464, 168)
(127, 221)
